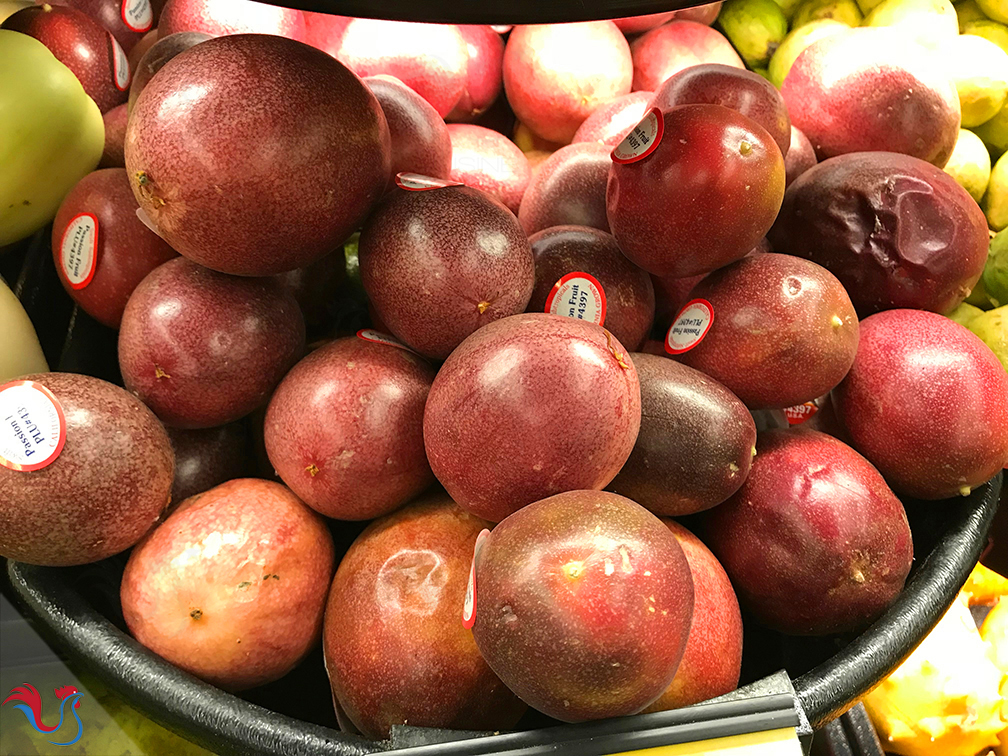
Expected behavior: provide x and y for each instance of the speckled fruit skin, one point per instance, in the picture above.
(127, 249)
(784, 330)
(612, 121)
(674, 46)
(629, 294)
(800, 156)
(872, 89)
(106, 488)
(489, 161)
(568, 188)
(114, 156)
(704, 198)
(223, 17)
(531, 406)
(208, 457)
(344, 428)
(145, 43)
(109, 14)
(438, 264)
(695, 445)
(395, 649)
(556, 75)
(814, 541)
(231, 587)
(166, 48)
(201, 348)
(583, 605)
(293, 169)
(420, 140)
(79, 43)
(712, 661)
(927, 402)
(718, 84)
(431, 59)
(896, 231)
(484, 72)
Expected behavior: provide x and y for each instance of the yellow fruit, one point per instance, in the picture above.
(967, 11)
(979, 296)
(992, 329)
(755, 28)
(788, 6)
(979, 70)
(945, 699)
(927, 21)
(994, 132)
(844, 11)
(52, 135)
(992, 30)
(995, 201)
(970, 164)
(963, 315)
(867, 6)
(796, 42)
(8, 7)
(984, 586)
(21, 353)
(995, 9)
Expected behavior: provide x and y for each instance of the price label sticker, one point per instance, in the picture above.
(469, 606)
(377, 337)
(120, 65)
(690, 326)
(642, 140)
(32, 426)
(415, 182)
(137, 15)
(800, 413)
(578, 295)
(79, 250)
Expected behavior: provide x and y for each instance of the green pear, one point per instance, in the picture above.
(995, 207)
(788, 6)
(927, 21)
(965, 314)
(994, 133)
(867, 6)
(796, 42)
(844, 11)
(992, 328)
(967, 11)
(992, 30)
(979, 297)
(755, 28)
(970, 164)
(979, 70)
(995, 272)
(996, 10)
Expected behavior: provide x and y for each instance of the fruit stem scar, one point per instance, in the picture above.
(482, 306)
(196, 614)
(745, 147)
(147, 188)
(618, 355)
(965, 491)
(837, 321)
(312, 470)
(573, 570)
(159, 373)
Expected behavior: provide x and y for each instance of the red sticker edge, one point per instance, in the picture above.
(578, 274)
(660, 132)
(430, 181)
(390, 340)
(469, 605)
(63, 429)
(122, 12)
(115, 63)
(94, 252)
(796, 415)
(710, 322)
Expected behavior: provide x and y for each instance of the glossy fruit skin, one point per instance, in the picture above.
(784, 330)
(231, 587)
(712, 661)
(927, 402)
(484, 72)
(691, 208)
(420, 140)
(163, 50)
(814, 542)
(637, 24)
(695, 444)
(629, 294)
(127, 250)
(718, 84)
(677, 45)
(799, 158)
(395, 649)
(896, 231)
(568, 189)
(430, 59)
(597, 629)
(202, 348)
(344, 429)
(872, 89)
(489, 161)
(527, 407)
(107, 487)
(609, 123)
(111, 14)
(556, 75)
(438, 264)
(79, 43)
(324, 133)
(113, 155)
(225, 17)
(207, 457)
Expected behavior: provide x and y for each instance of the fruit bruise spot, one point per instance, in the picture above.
(618, 355)
(627, 567)
(196, 614)
(160, 373)
(411, 581)
(793, 286)
(312, 470)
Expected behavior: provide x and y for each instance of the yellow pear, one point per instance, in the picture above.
(788, 6)
(996, 10)
(995, 201)
(970, 164)
(844, 11)
(967, 11)
(979, 70)
(994, 132)
(796, 42)
(927, 21)
(992, 30)
(754, 27)
(992, 328)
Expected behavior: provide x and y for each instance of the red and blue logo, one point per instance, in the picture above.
(30, 704)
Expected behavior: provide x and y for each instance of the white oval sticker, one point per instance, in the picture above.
(377, 337)
(120, 65)
(79, 250)
(642, 140)
(578, 295)
(137, 15)
(469, 605)
(690, 326)
(32, 426)
(416, 182)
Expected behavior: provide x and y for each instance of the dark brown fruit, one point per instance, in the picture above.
(569, 188)
(316, 289)
(800, 157)
(128, 20)
(114, 156)
(208, 457)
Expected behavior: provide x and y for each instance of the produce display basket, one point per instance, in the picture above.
(788, 682)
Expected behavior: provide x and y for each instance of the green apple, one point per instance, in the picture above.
(992, 328)
(970, 164)
(927, 21)
(52, 135)
(995, 272)
(796, 42)
(788, 6)
(965, 314)
(995, 207)
(994, 132)
(755, 28)
(844, 11)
